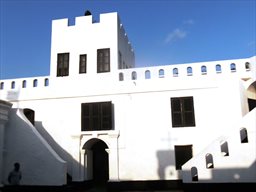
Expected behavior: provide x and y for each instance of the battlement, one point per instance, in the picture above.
(83, 21)
(243, 68)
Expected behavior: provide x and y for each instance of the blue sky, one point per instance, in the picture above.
(161, 31)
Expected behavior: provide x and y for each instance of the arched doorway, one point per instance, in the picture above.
(96, 161)
(30, 114)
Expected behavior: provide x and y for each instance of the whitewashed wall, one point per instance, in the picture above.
(143, 134)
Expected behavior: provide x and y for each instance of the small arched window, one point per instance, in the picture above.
(233, 67)
(121, 76)
(147, 74)
(134, 75)
(218, 68)
(13, 85)
(204, 70)
(24, 84)
(175, 72)
(2, 85)
(243, 135)
(189, 71)
(161, 73)
(35, 83)
(247, 66)
(209, 161)
(194, 174)
(46, 82)
(224, 148)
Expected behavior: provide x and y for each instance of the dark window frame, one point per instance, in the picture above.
(62, 64)
(183, 113)
(96, 116)
(82, 63)
(103, 60)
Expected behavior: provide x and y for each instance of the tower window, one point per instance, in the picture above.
(182, 112)
(82, 63)
(62, 64)
(103, 60)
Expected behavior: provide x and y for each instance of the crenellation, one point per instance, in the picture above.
(213, 68)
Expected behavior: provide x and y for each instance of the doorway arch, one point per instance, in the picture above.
(96, 161)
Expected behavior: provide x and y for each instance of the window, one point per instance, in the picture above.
(182, 112)
(243, 135)
(161, 73)
(204, 70)
(2, 85)
(218, 68)
(175, 72)
(147, 74)
(189, 71)
(134, 75)
(103, 60)
(13, 85)
(24, 84)
(224, 148)
(121, 76)
(62, 64)
(233, 67)
(209, 161)
(35, 83)
(247, 66)
(82, 63)
(182, 155)
(96, 116)
(46, 82)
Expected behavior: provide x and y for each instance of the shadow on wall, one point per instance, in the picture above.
(43, 161)
(166, 164)
(58, 149)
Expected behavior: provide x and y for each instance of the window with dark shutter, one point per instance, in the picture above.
(96, 116)
(82, 63)
(182, 112)
(103, 60)
(62, 64)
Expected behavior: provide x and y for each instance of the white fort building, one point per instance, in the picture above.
(98, 117)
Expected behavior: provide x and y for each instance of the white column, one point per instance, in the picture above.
(113, 164)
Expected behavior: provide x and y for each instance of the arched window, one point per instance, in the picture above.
(194, 174)
(233, 67)
(121, 76)
(13, 85)
(147, 74)
(243, 135)
(247, 66)
(218, 68)
(134, 75)
(224, 148)
(189, 71)
(203, 70)
(161, 73)
(35, 83)
(175, 72)
(24, 84)
(46, 82)
(209, 161)
(2, 85)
